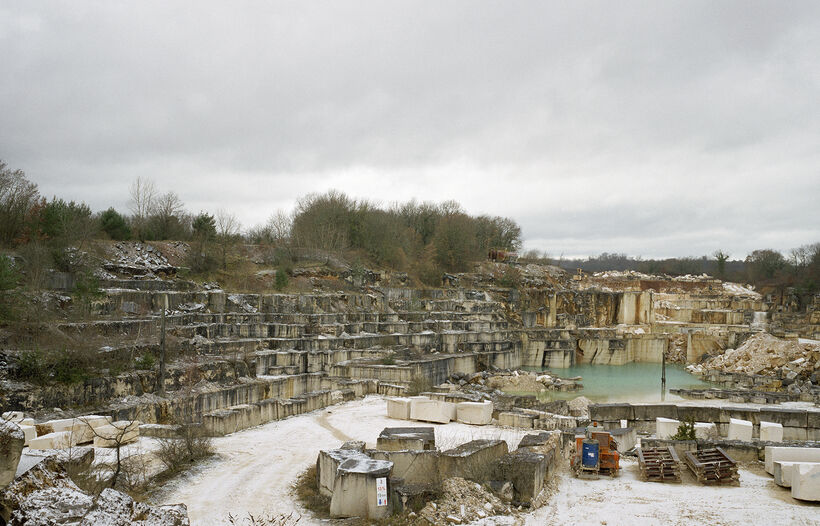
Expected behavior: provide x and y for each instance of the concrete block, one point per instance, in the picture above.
(121, 432)
(476, 413)
(510, 419)
(428, 410)
(398, 408)
(771, 432)
(706, 431)
(56, 440)
(806, 481)
(789, 454)
(813, 418)
(666, 427)
(740, 430)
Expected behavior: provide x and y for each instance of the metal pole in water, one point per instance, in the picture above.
(663, 376)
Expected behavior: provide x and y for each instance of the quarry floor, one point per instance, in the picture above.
(254, 470)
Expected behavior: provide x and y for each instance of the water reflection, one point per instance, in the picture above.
(633, 382)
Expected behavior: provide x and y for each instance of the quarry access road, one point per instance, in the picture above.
(254, 470)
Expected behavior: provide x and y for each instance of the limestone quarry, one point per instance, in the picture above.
(479, 370)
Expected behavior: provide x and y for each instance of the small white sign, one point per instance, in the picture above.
(381, 491)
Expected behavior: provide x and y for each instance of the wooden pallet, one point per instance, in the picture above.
(712, 466)
(659, 464)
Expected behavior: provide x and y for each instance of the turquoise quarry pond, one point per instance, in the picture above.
(632, 382)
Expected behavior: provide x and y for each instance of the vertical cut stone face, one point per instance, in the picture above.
(11, 447)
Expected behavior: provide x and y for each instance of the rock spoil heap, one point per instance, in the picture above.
(767, 355)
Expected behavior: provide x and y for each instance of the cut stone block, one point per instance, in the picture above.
(527, 472)
(510, 419)
(476, 413)
(706, 431)
(328, 462)
(406, 438)
(666, 427)
(30, 432)
(771, 432)
(428, 410)
(806, 481)
(11, 447)
(56, 440)
(783, 472)
(360, 489)
(789, 454)
(413, 467)
(160, 430)
(626, 437)
(472, 460)
(398, 408)
(740, 430)
(121, 432)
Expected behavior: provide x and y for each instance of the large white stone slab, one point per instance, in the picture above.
(666, 427)
(789, 454)
(771, 432)
(783, 472)
(398, 408)
(740, 430)
(806, 481)
(430, 410)
(476, 413)
(121, 432)
(56, 440)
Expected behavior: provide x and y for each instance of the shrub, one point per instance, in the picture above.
(418, 384)
(686, 430)
(281, 280)
(145, 362)
(114, 224)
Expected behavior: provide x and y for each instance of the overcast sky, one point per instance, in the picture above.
(652, 128)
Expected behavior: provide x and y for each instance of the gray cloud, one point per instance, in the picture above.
(651, 128)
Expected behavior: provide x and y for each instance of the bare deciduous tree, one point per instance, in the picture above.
(143, 194)
(227, 231)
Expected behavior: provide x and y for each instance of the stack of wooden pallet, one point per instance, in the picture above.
(659, 464)
(712, 466)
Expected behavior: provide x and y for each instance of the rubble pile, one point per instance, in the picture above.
(141, 260)
(676, 352)
(46, 495)
(767, 355)
(488, 385)
(461, 502)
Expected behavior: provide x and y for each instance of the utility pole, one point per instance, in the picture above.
(161, 379)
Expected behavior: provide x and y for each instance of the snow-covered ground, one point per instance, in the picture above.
(255, 470)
